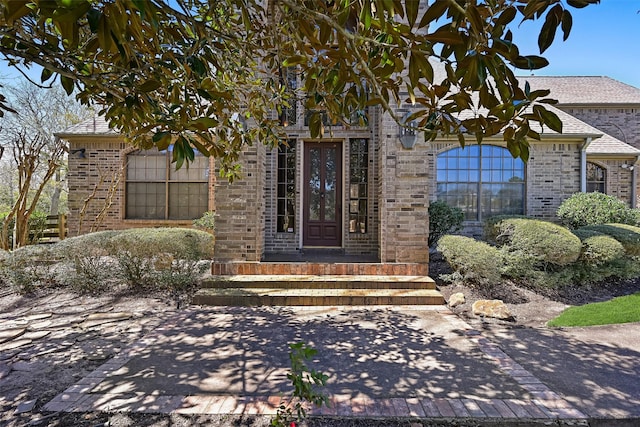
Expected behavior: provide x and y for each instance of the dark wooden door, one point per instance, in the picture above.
(322, 194)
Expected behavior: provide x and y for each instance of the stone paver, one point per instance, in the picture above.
(420, 362)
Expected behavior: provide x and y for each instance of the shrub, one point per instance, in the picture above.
(584, 209)
(542, 242)
(627, 235)
(207, 222)
(598, 248)
(473, 261)
(174, 260)
(491, 229)
(28, 268)
(87, 266)
(443, 219)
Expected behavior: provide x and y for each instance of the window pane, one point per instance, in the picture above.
(286, 187)
(145, 200)
(460, 172)
(187, 200)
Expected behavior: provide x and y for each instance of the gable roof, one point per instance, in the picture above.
(583, 90)
(96, 125)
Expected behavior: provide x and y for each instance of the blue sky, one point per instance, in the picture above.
(605, 40)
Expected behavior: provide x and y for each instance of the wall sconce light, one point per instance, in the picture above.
(627, 166)
(81, 152)
(407, 132)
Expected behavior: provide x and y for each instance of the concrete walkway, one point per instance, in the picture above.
(418, 361)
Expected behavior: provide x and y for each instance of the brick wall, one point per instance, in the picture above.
(240, 210)
(97, 184)
(404, 197)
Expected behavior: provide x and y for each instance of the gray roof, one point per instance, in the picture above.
(96, 125)
(610, 145)
(581, 90)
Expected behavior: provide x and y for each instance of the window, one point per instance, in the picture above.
(482, 180)
(358, 184)
(596, 178)
(286, 191)
(155, 190)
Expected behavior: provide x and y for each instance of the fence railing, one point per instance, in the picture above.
(54, 230)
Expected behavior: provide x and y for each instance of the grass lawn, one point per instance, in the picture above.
(619, 310)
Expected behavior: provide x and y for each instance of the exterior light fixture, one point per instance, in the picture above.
(627, 166)
(80, 152)
(407, 132)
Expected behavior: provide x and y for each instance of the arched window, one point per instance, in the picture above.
(482, 180)
(596, 178)
(156, 190)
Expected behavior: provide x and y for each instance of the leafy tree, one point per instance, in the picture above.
(192, 71)
(35, 157)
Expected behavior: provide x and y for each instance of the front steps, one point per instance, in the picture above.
(317, 284)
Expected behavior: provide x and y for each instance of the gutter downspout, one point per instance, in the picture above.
(634, 179)
(583, 164)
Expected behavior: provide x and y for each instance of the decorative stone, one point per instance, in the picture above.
(101, 318)
(11, 334)
(456, 299)
(26, 406)
(491, 308)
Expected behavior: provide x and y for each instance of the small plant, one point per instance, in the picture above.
(584, 209)
(472, 261)
(305, 383)
(28, 268)
(443, 219)
(207, 222)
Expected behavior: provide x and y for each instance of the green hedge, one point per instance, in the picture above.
(627, 235)
(541, 241)
(474, 262)
(443, 219)
(583, 209)
(598, 248)
(167, 258)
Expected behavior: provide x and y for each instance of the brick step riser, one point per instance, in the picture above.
(313, 301)
(317, 285)
(362, 269)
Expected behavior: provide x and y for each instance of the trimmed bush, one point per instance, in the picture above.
(173, 261)
(540, 241)
(473, 262)
(443, 219)
(491, 230)
(627, 235)
(584, 209)
(29, 267)
(141, 257)
(598, 248)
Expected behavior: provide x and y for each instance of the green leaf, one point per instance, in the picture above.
(67, 84)
(412, 7)
(433, 13)
(530, 62)
(551, 119)
(294, 60)
(567, 23)
(46, 75)
(548, 31)
(149, 86)
(365, 14)
(579, 4)
(162, 140)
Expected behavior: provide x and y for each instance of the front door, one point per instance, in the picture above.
(322, 194)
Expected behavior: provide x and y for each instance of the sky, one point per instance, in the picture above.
(604, 41)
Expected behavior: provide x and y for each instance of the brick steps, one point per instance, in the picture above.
(220, 268)
(316, 297)
(319, 282)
